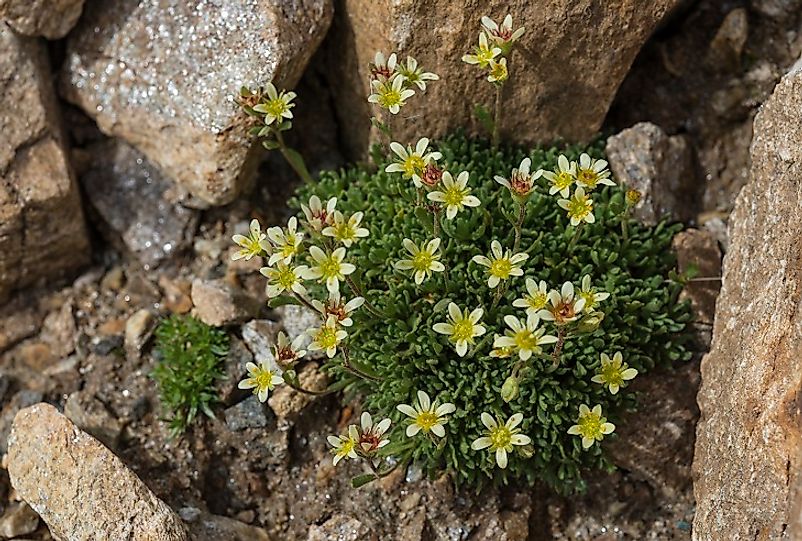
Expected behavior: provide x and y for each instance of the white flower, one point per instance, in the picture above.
(502, 35)
(591, 426)
(425, 259)
(346, 231)
(326, 337)
(414, 74)
(337, 307)
(390, 95)
(592, 172)
(524, 337)
(562, 178)
(284, 278)
(455, 194)
(285, 242)
(329, 268)
(501, 265)
(318, 216)
(501, 437)
(521, 181)
(536, 298)
(278, 105)
(589, 293)
(464, 327)
(262, 379)
(579, 207)
(564, 306)
(381, 69)
(483, 53)
(371, 436)
(614, 373)
(427, 416)
(498, 72)
(412, 163)
(286, 353)
(252, 244)
(345, 446)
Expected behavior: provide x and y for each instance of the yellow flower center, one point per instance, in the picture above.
(590, 426)
(285, 278)
(344, 231)
(499, 72)
(264, 379)
(590, 299)
(276, 107)
(327, 337)
(563, 180)
(426, 420)
(588, 177)
(483, 55)
(422, 261)
(347, 447)
(389, 97)
(525, 339)
(453, 196)
(538, 301)
(288, 248)
(501, 268)
(413, 165)
(463, 330)
(612, 375)
(501, 438)
(330, 267)
(580, 207)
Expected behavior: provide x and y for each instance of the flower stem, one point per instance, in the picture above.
(358, 292)
(309, 391)
(519, 226)
(354, 370)
(575, 238)
(497, 117)
(558, 347)
(293, 158)
(303, 300)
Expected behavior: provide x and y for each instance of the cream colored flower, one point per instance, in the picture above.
(521, 181)
(562, 178)
(425, 259)
(579, 207)
(390, 95)
(502, 35)
(464, 327)
(501, 352)
(501, 437)
(455, 195)
(329, 268)
(592, 172)
(591, 296)
(483, 53)
(283, 278)
(498, 71)
(286, 353)
(286, 242)
(345, 446)
(524, 337)
(383, 69)
(251, 245)
(414, 75)
(591, 426)
(427, 416)
(614, 373)
(327, 337)
(262, 379)
(346, 231)
(536, 298)
(501, 265)
(412, 163)
(318, 216)
(337, 307)
(564, 306)
(278, 105)
(371, 436)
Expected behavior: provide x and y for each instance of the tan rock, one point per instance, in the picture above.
(48, 18)
(749, 440)
(697, 249)
(42, 230)
(78, 487)
(162, 76)
(218, 303)
(564, 75)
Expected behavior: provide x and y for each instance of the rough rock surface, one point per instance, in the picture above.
(563, 77)
(749, 442)
(162, 75)
(42, 231)
(48, 18)
(78, 487)
(219, 303)
(660, 167)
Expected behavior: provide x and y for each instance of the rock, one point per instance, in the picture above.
(22, 399)
(250, 413)
(48, 18)
(260, 335)
(138, 329)
(162, 76)
(728, 43)
(130, 195)
(778, 9)
(105, 345)
(287, 403)
(78, 487)
(296, 320)
(236, 360)
(660, 167)
(563, 76)
(59, 331)
(218, 303)
(342, 528)
(207, 527)
(19, 319)
(698, 249)
(749, 441)
(176, 294)
(91, 415)
(656, 442)
(42, 230)
(19, 519)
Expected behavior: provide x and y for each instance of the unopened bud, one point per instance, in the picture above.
(510, 389)
(633, 196)
(590, 322)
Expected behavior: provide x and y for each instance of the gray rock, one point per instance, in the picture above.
(19, 519)
(105, 345)
(208, 527)
(236, 360)
(296, 320)
(78, 487)
(777, 9)
(250, 413)
(219, 303)
(260, 336)
(91, 415)
(660, 167)
(42, 230)
(343, 528)
(59, 330)
(52, 19)
(162, 75)
(21, 399)
(130, 195)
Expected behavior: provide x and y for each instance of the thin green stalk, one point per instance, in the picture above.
(358, 292)
(575, 238)
(354, 370)
(497, 117)
(296, 162)
(519, 226)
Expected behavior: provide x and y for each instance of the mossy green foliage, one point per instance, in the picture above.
(189, 354)
(643, 318)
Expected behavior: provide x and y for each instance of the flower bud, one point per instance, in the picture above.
(633, 196)
(590, 322)
(510, 389)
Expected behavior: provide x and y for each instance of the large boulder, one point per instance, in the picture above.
(49, 18)
(563, 77)
(162, 74)
(749, 439)
(42, 229)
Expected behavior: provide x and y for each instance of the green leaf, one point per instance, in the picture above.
(362, 480)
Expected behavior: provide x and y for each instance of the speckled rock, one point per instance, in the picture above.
(572, 58)
(162, 75)
(660, 167)
(749, 440)
(343, 528)
(78, 487)
(207, 527)
(42, 230)
(19, 519)
(48, 18)
(90, 415)
(219, 303)
(698, 249)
